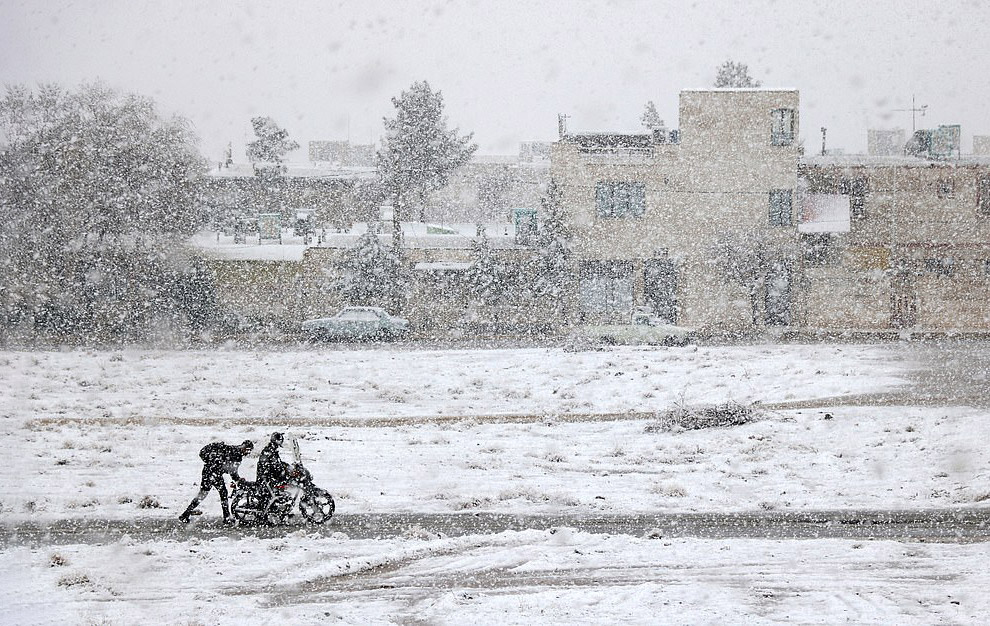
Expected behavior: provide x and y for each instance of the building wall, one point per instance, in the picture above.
(716, 181)
(917, 256)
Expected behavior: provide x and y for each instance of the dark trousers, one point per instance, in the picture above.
(212, 478)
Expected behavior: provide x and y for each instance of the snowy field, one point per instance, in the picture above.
(115, 435)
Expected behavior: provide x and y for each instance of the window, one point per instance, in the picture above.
(986, 266)
(782, 127)
(857, 207)
(940, 267)
(605, 291)
(817, 248)
(780, 207)
(945, 188)
(856, 189)
(620, 199)
(983, 195)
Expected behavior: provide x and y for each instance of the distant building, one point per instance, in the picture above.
(342, 153)
(530, 151)
(981, 144)
(885, 142)
(938, 143)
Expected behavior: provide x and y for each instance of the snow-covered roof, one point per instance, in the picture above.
(697, 89)
(415, 235)
(296, 170)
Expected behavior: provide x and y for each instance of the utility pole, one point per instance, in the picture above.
(823, 140)
(914, 109)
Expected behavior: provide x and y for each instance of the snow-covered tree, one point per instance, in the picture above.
(731, 74)
(486, 278)
(418, 151)
(272, 143)
(95, 187)
(374, 274)
(651, 118)
(552, 270)
(752, 261)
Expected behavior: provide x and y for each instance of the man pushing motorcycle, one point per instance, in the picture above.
(218, 459)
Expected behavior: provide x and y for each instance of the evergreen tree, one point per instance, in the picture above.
(732, 74)
(553, 265)
(272, 143)
(486, 276)
(96, 189)
(651, 118)
(418, 151)
(374, 274)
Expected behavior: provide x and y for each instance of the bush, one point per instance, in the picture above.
(708, 416)
(149, 502)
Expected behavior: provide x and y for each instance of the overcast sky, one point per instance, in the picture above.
(327, 70)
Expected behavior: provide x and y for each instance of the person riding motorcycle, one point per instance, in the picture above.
(272, 470)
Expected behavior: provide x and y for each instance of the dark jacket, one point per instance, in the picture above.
(271, 468)
(220, 458)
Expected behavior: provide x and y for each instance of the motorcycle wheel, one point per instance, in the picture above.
(317, 506)
(277, 511)
(245, 508)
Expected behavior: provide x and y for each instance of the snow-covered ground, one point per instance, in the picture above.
(108, 435)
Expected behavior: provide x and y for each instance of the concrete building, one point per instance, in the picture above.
(915, 252)
(880, 142)
(670, 225)
(732, 228)
(241, 192)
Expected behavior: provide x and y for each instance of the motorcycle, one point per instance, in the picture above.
(253, 503)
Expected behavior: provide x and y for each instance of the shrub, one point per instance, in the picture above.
(149, 502)
(709, 416)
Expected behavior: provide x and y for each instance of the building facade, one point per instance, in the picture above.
(669, 225)
(730, 227)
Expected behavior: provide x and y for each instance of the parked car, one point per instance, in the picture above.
(357, 323)
(645, 328)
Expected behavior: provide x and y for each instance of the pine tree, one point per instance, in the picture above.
(272, 143)
(486, 276)
(553, 265)
(374, 274)
(418, 151)
(651, 118)
(732, 74)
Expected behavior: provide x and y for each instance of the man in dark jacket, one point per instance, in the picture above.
(218, 459)
(272, 470)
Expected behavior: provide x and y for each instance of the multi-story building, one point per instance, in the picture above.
(730, 227)
(914, 251)
(672, 224)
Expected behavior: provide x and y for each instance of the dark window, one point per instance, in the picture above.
(780, 207)
(620, 199)
(782, 127)
(983, 195)
(942, 266)
(856, 189)
(945, 189)
(986, 266)
(817, 248)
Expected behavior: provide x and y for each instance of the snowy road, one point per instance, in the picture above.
(944, 525)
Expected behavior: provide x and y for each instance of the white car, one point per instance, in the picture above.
(357, 323)
(645, 328)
